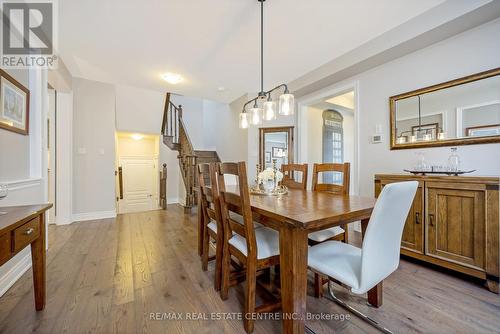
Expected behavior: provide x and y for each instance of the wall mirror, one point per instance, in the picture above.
(275, 143)
(458, 112)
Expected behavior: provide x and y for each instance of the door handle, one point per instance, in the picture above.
(120, 181)
(417, 217)
(431, 220)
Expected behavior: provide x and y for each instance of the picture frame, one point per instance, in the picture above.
(278, 152)
(268, 157)
(483, 130)
(14, 105)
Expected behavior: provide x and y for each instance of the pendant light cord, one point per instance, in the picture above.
(261, 46)
(419, 116)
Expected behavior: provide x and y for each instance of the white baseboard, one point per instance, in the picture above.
(78, 217)
(172, 200)
(11, 276)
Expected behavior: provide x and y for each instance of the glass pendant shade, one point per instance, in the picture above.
(244, 120)
(269, 110)
(287, 104)
(401, 140)
(256, 116)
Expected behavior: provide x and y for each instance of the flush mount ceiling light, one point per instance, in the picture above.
(172, 78)
(137, 136)
(263, 105)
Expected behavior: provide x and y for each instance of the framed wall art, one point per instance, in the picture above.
(14, 105)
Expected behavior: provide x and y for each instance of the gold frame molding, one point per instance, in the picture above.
(19, 85)
(291, 148)
(445, 142)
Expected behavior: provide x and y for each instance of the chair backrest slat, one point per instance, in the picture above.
(232, 199)
(289, 176)
(343, 168)
(209, 201)
(237, 202)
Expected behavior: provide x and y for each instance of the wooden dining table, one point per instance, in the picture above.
(295, 215)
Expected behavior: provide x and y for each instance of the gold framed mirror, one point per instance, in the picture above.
(463, 111)
(275, 143)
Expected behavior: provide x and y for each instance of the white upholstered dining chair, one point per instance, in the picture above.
(363, 268)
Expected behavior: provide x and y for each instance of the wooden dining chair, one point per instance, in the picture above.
(289, 173)
(211, 219)
(256, 248)
(333, 233)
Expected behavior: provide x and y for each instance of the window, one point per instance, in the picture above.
(333, 143)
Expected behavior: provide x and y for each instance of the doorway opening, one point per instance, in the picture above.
(328, 132)
(137, 181)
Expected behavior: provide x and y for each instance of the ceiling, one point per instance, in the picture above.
(345, 100)
(215, 44)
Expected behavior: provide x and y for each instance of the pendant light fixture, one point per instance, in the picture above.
(263, 105)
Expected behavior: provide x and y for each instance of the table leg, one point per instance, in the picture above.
(293, 273)
(39, 273)
(364, 225)
(375, 294)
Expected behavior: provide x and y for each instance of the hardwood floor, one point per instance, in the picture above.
(108, 276)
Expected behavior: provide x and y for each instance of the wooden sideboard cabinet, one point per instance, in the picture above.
(453, 223)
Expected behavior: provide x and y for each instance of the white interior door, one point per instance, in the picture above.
(138, 185)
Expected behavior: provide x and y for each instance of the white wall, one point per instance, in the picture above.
(470, 52)
(93, 149)
(15, 145)
(23, 171)
(227, 126)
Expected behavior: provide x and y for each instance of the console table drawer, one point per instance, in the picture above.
(4, 247)
(26, 233)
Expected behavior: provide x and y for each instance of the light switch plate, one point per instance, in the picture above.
(376, 138)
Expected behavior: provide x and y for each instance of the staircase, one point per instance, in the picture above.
(176, 138)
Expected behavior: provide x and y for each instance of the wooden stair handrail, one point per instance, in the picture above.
(177, 138)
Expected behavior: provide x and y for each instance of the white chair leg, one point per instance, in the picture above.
(331, 296)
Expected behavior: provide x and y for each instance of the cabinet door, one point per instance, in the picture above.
(413, 232)
(455, 224)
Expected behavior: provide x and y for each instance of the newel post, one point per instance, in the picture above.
(163, 187)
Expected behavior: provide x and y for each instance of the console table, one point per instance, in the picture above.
(453, 223)
(21, 226)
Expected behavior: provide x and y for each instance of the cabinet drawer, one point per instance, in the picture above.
(26, 233)
(4, 247)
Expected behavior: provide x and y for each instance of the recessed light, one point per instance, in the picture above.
(137, 136)
(221, 89)
(172, 78)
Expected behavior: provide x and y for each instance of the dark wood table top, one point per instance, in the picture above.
(17, 215)
(313, 210)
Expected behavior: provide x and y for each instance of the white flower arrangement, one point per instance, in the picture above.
(268, 175)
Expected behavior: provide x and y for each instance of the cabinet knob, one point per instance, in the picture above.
(431, 220)
(29, 231)
(417, 217)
